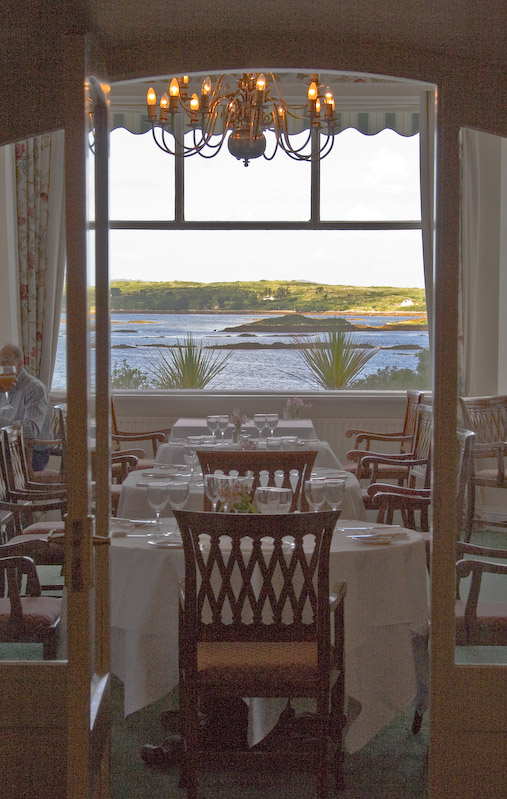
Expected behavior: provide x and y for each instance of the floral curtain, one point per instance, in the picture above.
(41, 248)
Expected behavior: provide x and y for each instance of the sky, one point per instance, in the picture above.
(364, 178)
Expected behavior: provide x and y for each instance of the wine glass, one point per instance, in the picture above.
(223, 424)
(158, 496)
(315, 493)
(335, 492)
(190, 458)
(212, 422)
(211, 490)
(259, 421)
(7, 380)
(272, 422)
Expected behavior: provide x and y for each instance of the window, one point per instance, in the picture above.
(230, 245)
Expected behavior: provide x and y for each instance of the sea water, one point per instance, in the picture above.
(139, 339)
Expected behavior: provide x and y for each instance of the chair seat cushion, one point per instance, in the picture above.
(492, 621)
(48, 476)
(277, 666)
(488, 477)
(48, 552)
(40, 611)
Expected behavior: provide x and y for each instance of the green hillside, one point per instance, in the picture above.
(263, 296)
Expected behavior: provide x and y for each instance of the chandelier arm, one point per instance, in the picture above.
(162, 146)
(287, 146)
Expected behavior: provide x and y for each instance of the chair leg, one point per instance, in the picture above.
(337, 723)
(190, 734)
(322, 747)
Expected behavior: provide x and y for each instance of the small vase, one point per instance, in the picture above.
(236, 433)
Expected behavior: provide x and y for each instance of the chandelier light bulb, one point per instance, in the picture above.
(261, 83)
(194, 103)
(328, 96)
(174, 88)
(206, 86)
(317, 105)
(151, 97)
(312, 91)
(164, 101)
(185, 80)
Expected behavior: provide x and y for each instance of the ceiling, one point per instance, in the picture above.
(447, 26)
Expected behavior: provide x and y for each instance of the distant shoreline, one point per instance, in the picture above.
(243, 312)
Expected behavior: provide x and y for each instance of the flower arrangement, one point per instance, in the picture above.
(237, 419)
(294, 407)
(234, 497)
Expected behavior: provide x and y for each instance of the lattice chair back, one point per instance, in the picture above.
(486, 416)
(421, 475)
(464, 488)
(239, 588)
(414, 400)
(299, 463)
(14, 466)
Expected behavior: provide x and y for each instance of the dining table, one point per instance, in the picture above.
(183, 427)
(385, 611)
(133, 502)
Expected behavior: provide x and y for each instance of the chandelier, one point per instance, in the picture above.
(241, 115)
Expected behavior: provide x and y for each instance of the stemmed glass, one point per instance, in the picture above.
(178, 491)
(272, 422)
(7, 380)
(315, 493)
(260, 422)
(190, 458)
(158, 495)
(222, 424)
(335, 491)
(212, 422)
(211, 490)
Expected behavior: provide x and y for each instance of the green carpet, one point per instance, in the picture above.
(391, 765)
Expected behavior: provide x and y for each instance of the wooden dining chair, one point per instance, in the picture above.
(255, 620)
(29, 617)
(257, 461)
(415, 466)
(122, 437)
(400, 442)
(487, 417)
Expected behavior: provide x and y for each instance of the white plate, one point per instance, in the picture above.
(169, 543)
(378, 540)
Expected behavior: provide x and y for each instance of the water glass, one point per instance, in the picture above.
(178, 491)
(212, 422)
(270, 499)
(315, 493)
(260, 422)
(289, 443)
(335, 492)
(223, 423)
(158, 496)
(272, 422)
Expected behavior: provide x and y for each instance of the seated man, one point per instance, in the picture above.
(30, 405)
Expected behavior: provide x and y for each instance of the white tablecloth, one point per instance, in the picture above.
(133, 502)
(303, 428)
(386, 601)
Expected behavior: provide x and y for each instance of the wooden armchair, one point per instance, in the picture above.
(256, 461)
(415, 466)
(480, 622)
(30, 618)
(256, 621)
(120, 437)
(487, 417)
(402, 439)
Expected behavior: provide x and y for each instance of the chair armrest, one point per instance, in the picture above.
(373, 461)
(388, 488)
(476, 568)
(367, 434)
(155, 436)
(127, 462)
